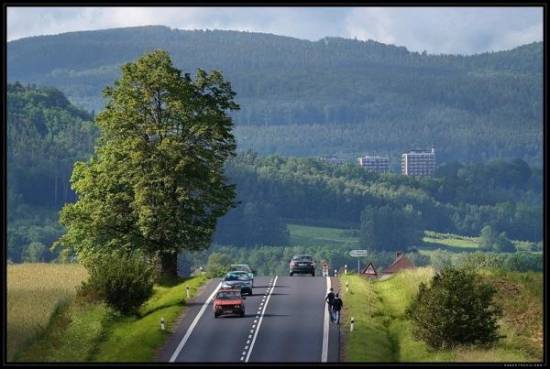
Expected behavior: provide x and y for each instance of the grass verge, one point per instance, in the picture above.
(382, 333)
(91, 332)
(137, 339)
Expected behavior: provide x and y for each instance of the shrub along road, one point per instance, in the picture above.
(284, 322)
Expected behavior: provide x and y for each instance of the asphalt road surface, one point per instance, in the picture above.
(285, 321)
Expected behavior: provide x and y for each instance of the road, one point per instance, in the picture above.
(285, 321)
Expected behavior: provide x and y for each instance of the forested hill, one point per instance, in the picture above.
(330, 97)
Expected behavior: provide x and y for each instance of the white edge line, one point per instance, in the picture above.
(260, 321)
(192, 326)
(324, 353)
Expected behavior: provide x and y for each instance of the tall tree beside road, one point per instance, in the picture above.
(156, 180)
(387, 228)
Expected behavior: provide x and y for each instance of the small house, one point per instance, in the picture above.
(401, 262)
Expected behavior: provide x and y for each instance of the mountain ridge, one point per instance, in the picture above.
(372, 90)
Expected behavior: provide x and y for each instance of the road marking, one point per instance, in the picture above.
(247, 342)
(193, 324)
(260, 321)
(324, 353)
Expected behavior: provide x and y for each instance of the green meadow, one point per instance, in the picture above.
(382, 333)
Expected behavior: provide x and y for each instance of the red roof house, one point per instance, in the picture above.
(401, 262)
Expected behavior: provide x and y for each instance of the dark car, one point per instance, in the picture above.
(302, 264)
(239, 279)
(244, 268)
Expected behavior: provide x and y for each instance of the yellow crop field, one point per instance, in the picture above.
(34, 291)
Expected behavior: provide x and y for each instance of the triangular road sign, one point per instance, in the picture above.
(369, 270)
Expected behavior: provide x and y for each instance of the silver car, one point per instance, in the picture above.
(238, 279)
(244, 268)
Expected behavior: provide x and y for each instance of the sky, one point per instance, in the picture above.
(437, 30)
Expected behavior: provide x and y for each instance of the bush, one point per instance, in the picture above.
(218, 265)
(503, 244)
(523, 262)
(457, 308)
(123, 281)
(418, 259)
(441, 259)
(34, 252)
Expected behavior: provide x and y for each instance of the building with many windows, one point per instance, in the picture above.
(418, 162)
(375, 163)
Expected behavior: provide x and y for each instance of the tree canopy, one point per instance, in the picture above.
(156, 180)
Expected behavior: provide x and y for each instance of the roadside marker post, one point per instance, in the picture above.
(162, 327)
(335, 272)
(352, 323)
(187, 291)
(347, 287)
(346, 269)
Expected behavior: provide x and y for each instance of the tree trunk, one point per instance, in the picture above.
(168, 266)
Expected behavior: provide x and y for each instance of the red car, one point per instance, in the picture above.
(229, 302)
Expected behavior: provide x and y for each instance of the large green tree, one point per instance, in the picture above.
(387, 228)
(156, 180)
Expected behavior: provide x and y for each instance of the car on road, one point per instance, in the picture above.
(239, 279)
(243, 268)
(302, 264)
(229, 302)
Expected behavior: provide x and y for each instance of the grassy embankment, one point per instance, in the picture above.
(383, 334)
(80, 331)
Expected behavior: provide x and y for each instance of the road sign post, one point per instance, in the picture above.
(358, 254)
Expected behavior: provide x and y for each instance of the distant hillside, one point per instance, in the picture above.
(333, 96)
(46, 135)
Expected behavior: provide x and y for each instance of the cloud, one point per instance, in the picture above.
(435, 29)
(463, 30)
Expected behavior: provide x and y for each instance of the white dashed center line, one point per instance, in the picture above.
(269, 293)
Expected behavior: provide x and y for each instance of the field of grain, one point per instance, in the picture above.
(34, 292)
